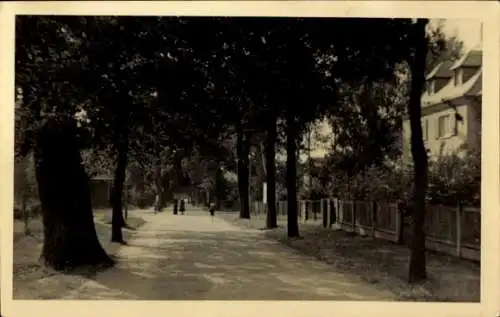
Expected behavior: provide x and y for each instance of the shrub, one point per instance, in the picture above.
(25, 186)
(145, 201)
(34, 209)
(141, 196)
(452, 179)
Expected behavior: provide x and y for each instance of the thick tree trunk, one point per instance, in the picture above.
(178, 172)
(242, 151)
(219, 189)
(400, 238)
(291, 176)
(117, 220)
(417, 271)
(70, 238)
(270, 154)
(309, 162)
(168, 183)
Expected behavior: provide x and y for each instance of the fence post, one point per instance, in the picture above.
(303, 211)
(333, 212)
(306, 210)
(328, 213)
(340, 212)
(321, 207)
(459, 229)
(398, 223)
(298, 210)
(373, 216)
(313, 209)
(278, 209)
(325, 212)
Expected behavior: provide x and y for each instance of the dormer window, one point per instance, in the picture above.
(431, 87)
(457, 77)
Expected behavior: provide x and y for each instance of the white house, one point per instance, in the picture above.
(451, 107)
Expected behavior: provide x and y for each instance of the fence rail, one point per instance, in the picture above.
(452, 230)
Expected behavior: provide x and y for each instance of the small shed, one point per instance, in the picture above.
(100, 190)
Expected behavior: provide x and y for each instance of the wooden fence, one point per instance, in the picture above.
(452, 230)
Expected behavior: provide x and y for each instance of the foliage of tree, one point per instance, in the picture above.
(155, 90)
(442, 47)
(366, 128)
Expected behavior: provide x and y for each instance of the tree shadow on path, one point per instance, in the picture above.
(175, 264)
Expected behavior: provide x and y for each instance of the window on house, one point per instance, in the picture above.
(425, 129)
(431, 87)
(443, 126)
(457, 77)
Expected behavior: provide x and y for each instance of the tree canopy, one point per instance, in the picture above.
(160, 91)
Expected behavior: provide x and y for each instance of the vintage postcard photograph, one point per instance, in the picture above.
(250, 158)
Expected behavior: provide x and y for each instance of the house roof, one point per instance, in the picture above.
(450, 91)
(442, 70)
(473, 58)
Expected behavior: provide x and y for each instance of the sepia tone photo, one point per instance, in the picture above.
(247, 158)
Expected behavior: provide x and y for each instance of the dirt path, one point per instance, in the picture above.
(199, 258)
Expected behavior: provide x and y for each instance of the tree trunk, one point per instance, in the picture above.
(417, 271)
(291, 176)
(242, 151)
(309, 162)
(70, 238)
(219, 189)
(270, 153)
(401, 210)
(117, 220)
(166, 189)
(125, 203)
(158, 180)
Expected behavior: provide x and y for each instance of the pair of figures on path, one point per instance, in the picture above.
(180, 206)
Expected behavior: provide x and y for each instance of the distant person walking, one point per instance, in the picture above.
(211, 210)
(157, 203)
(175, 206)
(182, 208)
